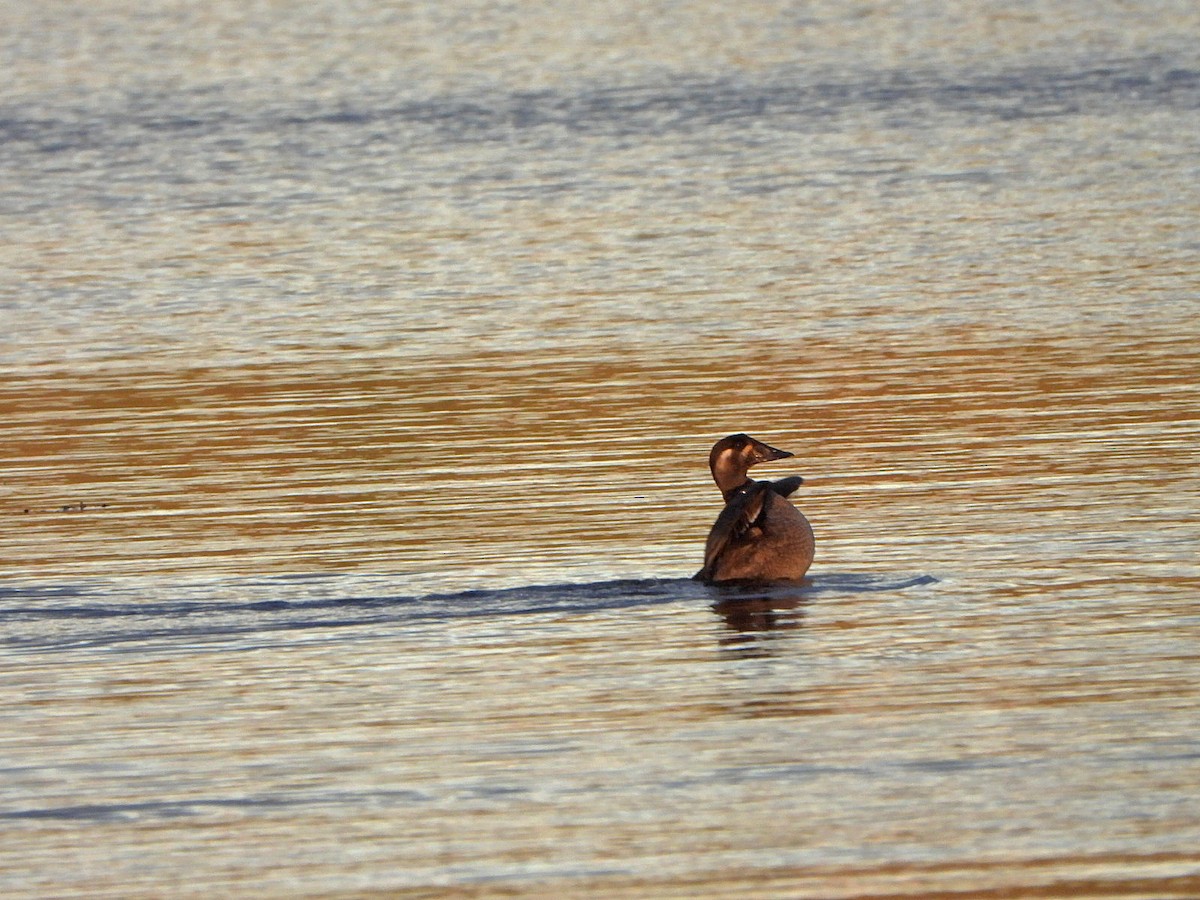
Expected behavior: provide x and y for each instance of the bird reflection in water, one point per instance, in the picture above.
(754, 614)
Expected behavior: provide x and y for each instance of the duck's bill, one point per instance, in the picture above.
(766, 453)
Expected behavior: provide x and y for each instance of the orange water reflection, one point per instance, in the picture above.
(530, 467)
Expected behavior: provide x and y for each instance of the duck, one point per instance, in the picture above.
(759, 535)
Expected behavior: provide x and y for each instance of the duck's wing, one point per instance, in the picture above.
(785, 487)
(742, 511)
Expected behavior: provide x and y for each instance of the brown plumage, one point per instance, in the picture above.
(759, 535)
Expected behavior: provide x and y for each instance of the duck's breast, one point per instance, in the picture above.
(779, 547)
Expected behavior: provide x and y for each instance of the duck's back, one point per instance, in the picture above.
(778, 546)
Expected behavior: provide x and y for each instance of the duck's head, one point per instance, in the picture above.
(732, 457)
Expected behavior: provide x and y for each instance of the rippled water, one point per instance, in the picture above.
(359, 369)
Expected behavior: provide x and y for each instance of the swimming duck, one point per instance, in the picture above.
(759, 535)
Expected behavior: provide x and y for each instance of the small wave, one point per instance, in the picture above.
(245, 612)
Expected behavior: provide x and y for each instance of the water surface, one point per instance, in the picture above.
(358, 371)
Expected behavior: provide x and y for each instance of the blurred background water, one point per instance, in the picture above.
(358, 368)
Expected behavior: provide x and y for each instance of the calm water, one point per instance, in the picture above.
(358, 369)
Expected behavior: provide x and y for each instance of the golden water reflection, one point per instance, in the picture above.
(358, 371)
(525, 468)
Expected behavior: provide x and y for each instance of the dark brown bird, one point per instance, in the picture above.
(759, 535)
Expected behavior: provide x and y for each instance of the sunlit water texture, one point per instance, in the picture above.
(358, 370)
